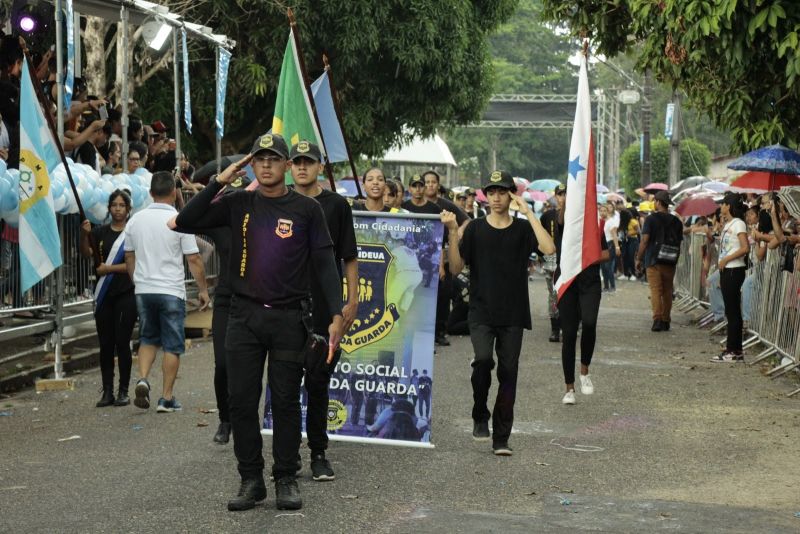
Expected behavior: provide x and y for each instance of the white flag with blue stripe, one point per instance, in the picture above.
(39, 243)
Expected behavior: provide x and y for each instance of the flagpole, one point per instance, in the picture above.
(293, 26)
(341, 123)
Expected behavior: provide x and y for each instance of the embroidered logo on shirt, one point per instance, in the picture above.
(284, 228)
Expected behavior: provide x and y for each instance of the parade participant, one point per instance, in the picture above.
(443, 293)
(375, 188)
(306, 166)
(418, 203)
(474, 209)
(499, 305)
(390, 194)
(154, 257)
(734, 246)
(550, 223)
(578, 306)
(661, 231)
(611, 221)
(115, 301)
(276, 234)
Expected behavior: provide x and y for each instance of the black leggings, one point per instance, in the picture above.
(580, 304)
(114, 320)
(219, 325)
(730, 282)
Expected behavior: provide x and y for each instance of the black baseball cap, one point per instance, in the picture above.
(663, 197)
(305, 149)
(416, 179)
(469, 191)
(560, 188)
(271, 142)
(500, 179)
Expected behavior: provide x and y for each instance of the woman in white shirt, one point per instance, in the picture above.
(734, 247)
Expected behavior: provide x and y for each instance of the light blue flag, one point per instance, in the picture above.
(222, 86)
(39, 244)
(187, 98)
(70, 78)
(328, 121)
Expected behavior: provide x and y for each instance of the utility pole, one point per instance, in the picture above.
(675, 141)
(646, 112)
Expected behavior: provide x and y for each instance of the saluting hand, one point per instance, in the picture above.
(234, 170)
(448, 218)
(522, 205)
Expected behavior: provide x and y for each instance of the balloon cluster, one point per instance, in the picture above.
(93, 191)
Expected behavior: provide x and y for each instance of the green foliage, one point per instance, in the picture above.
(737, 61)
(695, 161)
(529, 57)
(421, 64)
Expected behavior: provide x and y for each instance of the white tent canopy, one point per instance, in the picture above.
(432, 152)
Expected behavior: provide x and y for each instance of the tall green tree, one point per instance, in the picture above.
(418, 64)
(737, 60)
(695, 160)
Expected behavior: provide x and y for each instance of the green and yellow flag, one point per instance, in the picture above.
(293, 118)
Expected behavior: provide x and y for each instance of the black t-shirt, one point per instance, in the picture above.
(498, 269)
(105, 236)
(221, 236)
(446, 204)
(428, 208)
(361, 206)
(339, 218)
(271, 243)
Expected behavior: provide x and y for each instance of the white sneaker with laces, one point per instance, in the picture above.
(569, 397)
(587, 388)
(632, 278)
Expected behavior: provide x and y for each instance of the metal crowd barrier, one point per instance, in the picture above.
(774, 303)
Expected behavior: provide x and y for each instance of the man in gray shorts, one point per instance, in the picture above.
(154, 257)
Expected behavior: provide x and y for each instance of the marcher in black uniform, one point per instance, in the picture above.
(580, 303)
(497, 248)
(443, 293)
(115, 302)
(306, 166)
(276, 234)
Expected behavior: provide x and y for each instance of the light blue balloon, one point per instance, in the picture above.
(3, 167)
(56, 188)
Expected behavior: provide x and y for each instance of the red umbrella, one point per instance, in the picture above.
(761, 182)
(697, 205)
(656, 186)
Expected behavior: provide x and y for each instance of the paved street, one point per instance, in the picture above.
(668, 442)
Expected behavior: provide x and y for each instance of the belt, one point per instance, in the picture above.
(296, 305)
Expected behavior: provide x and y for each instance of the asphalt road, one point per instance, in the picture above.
(669, 442)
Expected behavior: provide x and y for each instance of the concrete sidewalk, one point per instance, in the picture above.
(669, 441)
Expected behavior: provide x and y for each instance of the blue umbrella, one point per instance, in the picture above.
(543, 185)
(775, 159)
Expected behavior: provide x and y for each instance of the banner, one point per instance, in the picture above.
(222, 86)
(668, 119)
(39, 243)
(187, 97)
(382, 386)
(328, 120)
(69, 80)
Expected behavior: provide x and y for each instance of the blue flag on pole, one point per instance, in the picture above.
(70, 77)
(222, 86)
(39, 243)
(187, 97)
(328, 121)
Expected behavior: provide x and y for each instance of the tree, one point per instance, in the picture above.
(529, 57)
(695, 161)
(738, 61)
(418, 65)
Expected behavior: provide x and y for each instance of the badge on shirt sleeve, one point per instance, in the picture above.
(284, 228)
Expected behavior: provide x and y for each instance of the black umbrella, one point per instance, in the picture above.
(688, 183)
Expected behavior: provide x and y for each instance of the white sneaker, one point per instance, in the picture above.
(587, 388)
(632, 278)
(569, 398)
(622, 277)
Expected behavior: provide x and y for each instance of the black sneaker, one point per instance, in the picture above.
(502, 449)
(657, 326)
(142, 394)
(442, 340)
(106, 400)
(287, 494)
(480, 430)
(251, 491)
(122, 398)
(223, 434)
(321, 468)
(555, 336)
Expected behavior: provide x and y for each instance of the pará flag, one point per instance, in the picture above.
(293, 118)
(39, 244)
(328, 121)
(580, 242)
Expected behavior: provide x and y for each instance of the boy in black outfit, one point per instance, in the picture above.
(497, 248)
(276, 235)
